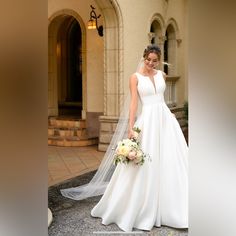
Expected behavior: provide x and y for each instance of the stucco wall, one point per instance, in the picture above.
(94, 50)
(137, 16)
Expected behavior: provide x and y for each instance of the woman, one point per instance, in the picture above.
(155, 193)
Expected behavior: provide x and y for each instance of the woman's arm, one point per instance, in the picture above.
(133, 103)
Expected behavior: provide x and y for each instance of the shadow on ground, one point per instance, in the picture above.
(72, 218)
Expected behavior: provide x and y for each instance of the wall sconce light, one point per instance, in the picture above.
(93, 22)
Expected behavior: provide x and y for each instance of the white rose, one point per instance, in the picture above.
(123, 150)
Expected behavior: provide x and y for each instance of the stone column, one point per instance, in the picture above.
(151, 36)
(172, 55)
(111, 88)
(52, 70)
(107, 129)
(113, 72)
(161, 45)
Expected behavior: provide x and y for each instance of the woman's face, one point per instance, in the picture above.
(151, 61)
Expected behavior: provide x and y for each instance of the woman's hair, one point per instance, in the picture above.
(152, 49)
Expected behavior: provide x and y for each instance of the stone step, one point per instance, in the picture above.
(65, 132)
(72, 141)
(65, 128)
(69, 132)
(64, 135)
(66, 123)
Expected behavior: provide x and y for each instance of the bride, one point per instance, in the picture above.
(155, 193)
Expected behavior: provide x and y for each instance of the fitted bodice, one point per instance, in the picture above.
(150, 92)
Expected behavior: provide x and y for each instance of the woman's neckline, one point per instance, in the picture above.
(151, 80)
(156, 71)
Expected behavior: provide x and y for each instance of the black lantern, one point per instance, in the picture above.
(93, 22)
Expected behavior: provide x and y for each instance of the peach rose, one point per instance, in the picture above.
(132, 155)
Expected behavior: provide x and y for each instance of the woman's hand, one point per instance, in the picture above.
(133, 81)
(130, 133)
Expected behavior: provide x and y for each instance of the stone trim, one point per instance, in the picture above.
(170, 94)
(106, 131)
(172, 78)
(173, 22)
(113, 48)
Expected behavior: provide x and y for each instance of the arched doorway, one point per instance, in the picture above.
(67, 65)
(170, 50)
(156, 34)
(157, 31)
(69, 62)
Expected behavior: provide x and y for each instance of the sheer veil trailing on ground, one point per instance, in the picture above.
(103, 175)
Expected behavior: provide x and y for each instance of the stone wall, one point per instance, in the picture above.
(109, 61)
(106, 131)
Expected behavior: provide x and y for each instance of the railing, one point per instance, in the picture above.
(170, 92)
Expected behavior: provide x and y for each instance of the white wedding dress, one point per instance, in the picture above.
(155, 193)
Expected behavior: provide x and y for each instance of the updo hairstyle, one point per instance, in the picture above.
(152, 49)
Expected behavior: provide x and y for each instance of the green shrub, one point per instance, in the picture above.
(186, 111)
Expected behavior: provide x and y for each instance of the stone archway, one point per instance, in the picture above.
(174, 24)
(60, 89)
(170, 49)
(156, 34)
(172, 41)
(113, 56)
(113, 70)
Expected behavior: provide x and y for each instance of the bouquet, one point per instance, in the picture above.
(129, 150)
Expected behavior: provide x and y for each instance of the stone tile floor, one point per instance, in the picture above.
(68, 162)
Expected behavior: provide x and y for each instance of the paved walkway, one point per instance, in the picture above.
(72, 166)
(67, 162)
(73, 218)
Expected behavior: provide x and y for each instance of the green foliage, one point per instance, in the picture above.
(186, 111)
